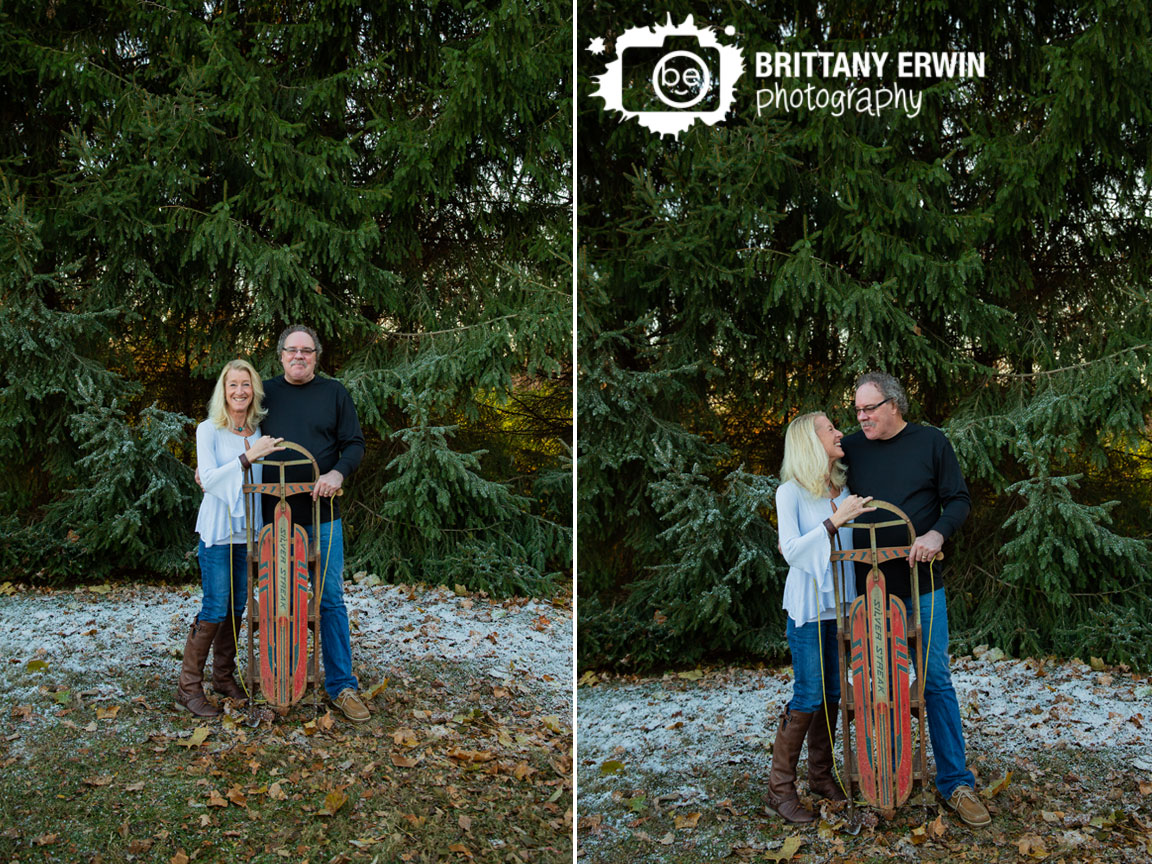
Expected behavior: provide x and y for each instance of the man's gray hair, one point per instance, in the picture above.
(888, 386)
(298, 328)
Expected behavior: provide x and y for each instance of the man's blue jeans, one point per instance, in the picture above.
(944, 727)
(809, 691)
(335, 637)
(215, 579)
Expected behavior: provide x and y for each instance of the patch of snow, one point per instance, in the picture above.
(668, 726)
(94, 636)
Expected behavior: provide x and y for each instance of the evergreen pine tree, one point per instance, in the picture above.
(991, 251)
(178, 182)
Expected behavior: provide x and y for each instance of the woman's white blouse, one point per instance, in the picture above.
(807, 547)
(221, 516)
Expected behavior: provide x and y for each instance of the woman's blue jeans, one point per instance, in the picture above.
(218, 584)
(810, 643)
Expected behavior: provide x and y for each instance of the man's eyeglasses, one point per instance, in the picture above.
(307, 352)
(868, 409)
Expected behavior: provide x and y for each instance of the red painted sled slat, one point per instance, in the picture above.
(901, 710)
(877, 642)
(861, 681)
(283, 593)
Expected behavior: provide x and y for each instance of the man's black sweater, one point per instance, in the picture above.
(320, 417)
(916, 470)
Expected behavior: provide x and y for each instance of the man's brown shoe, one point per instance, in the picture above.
(969, 807)
(349, 702)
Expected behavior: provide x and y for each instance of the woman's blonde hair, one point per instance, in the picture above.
(218, 410)
(806, 460)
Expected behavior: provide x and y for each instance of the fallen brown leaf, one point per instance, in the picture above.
(333, 801)
(1033, 846)
(471, 755)
(198, 737)
(405, 737)
(686, 820)
(784, 853)
(937, 828)
(997, 787)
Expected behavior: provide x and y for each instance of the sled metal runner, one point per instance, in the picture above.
(876, 644)
(284, 634)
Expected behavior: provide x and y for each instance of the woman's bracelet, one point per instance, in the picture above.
(244, 463)
(830, 525)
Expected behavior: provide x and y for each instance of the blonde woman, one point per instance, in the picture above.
(226, 443)
(812, 505)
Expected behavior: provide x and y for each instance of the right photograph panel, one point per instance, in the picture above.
(864, 343)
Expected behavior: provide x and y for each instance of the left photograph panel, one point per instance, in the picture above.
(285, 515)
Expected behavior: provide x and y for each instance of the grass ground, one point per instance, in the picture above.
(1039, 815)
(689, 787)
(450, 768)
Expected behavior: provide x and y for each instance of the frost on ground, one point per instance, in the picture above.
(696, 742)
(101, 633)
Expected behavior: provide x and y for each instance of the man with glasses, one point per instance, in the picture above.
(914, 468)
(318, 414)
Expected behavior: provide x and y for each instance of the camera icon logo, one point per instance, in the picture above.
(670, 76)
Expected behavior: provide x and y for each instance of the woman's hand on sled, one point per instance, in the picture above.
(263, 447)
(852, 507)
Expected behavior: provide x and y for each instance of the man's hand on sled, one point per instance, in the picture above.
(328, 484)
(926, 547)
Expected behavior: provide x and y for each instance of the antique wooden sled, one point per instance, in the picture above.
(284, 628)
(876, 644)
